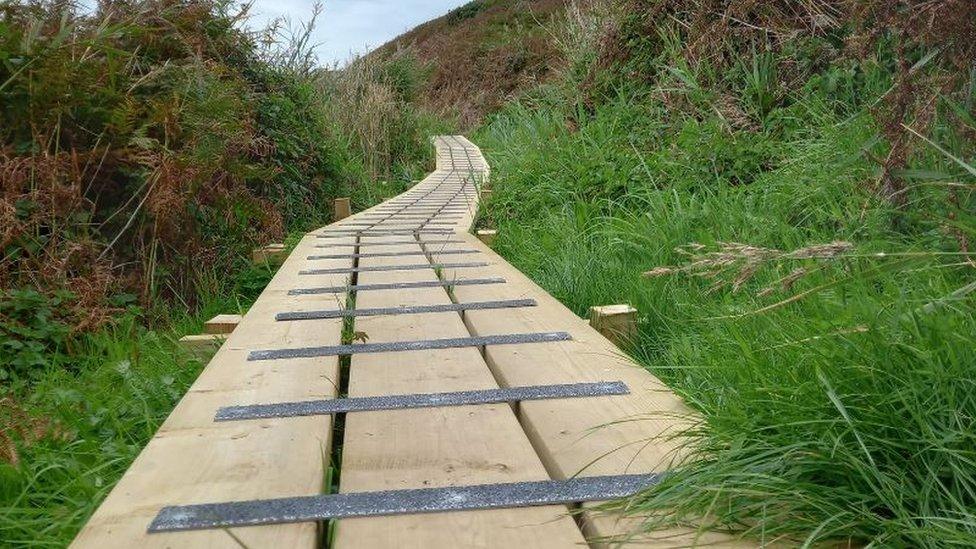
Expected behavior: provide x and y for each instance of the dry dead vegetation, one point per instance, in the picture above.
(132, 150)
(149, 146)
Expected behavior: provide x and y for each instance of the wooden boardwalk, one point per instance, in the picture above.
(413, 250)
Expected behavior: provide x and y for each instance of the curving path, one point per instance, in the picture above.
(426, 309)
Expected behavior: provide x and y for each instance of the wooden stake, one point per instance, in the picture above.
(341, 209)
(618, 323)
(487, 236)
(272, 253)
(222, 324)
(202, 346)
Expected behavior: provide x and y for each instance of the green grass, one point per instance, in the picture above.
(125, 381)
(99, 404)
(840, 406)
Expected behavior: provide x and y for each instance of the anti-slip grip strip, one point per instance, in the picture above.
(395, 286)
(398, 346)
(406, 310)
(399, 502)
(422, 400)
(392, 254)
(346, 270)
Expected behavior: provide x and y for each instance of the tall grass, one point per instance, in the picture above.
(371, 105)
(834, 383)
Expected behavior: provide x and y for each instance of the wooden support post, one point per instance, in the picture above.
(484, 194)
(222, 324)
(202, 346)
(487, 236)
(341, 209)
(272, 253)
(618, 323)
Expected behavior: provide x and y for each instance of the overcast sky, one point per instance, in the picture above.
(353, 26)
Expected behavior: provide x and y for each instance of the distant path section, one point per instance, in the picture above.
(483, 379)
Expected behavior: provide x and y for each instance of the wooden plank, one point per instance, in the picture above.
(435, 446)
(487, 236)
(599, 436)
(617, 322)
(222, 324)
(341, 209)
(191, 459)
(202, 346)
(272, 253)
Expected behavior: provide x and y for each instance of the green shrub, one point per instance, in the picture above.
(466, 11)
(145, 150)
(151, 140)
(30, 333)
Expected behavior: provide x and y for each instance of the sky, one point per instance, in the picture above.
(352, 26)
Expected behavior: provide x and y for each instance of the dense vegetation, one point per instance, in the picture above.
(145, 150)
(783, 189)
(796, 179)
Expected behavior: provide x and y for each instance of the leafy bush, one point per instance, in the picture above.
(30, 333)
(154, 140)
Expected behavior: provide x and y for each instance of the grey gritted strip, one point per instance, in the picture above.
(409, 215)
(346, 234)
(430, 203)
(400, 502)
(392, 254)
(390, 243)
(427, 212)
(453, 201)
(393, 268)
(458, 209)
(397, 346)
(399, 226)
(413, 310)
(342, 232)
(434, 198)
(419, 206)
(425, 400)
(394, 286)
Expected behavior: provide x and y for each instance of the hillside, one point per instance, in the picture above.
(481, 54)
(785, 192)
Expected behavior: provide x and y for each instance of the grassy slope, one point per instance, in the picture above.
(846, 410)
(838, 405)
(480, 54)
